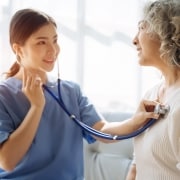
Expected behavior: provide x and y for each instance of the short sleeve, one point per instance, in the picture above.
(6, 125)
(90, 139)
(88, 114)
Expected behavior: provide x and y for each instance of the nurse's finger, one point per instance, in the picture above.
(150, 102)
(152, 115)
(150, 105)
(37, 81)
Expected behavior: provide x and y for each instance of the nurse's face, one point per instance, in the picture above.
(147, 45)
(41, 49)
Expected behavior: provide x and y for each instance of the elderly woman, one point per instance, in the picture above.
(157, 151)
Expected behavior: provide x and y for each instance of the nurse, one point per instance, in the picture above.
(37, 138)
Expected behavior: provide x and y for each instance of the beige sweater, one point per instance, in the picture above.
(157, 151)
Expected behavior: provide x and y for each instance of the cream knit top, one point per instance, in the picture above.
(157, 150)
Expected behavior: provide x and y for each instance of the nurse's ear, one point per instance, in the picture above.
(17, 50)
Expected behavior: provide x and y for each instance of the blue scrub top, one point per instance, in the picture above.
(57, 149)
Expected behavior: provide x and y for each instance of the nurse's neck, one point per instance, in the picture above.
(31, 72)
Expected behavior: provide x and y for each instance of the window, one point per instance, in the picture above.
(96, 47)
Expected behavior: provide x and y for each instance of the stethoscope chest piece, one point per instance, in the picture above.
(162, 110)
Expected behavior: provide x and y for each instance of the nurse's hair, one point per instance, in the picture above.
(22, 25)
(163, 20)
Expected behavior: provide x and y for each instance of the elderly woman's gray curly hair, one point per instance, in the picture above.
(163, 19)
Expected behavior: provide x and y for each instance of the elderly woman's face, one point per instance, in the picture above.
(147, 45)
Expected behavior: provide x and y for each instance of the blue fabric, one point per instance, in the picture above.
(57, 149)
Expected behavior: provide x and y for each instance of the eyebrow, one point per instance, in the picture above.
(43, 37)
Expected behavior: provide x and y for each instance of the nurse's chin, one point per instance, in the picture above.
(49, 68)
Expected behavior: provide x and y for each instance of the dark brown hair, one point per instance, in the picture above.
(23, 24)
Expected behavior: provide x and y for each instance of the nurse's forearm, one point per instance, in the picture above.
(127, 126)
(120, 128)
(18, 143)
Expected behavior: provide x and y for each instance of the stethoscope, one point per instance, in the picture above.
(160, 109)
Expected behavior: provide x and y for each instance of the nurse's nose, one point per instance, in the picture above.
(52, 49)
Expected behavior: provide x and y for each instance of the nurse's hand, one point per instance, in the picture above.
(144, 112)
(32, 88)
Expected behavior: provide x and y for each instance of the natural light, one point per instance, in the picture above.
(96, 48)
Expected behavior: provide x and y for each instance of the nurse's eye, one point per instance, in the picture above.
(41, 43)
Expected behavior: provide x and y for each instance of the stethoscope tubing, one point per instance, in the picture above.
(90, 130)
